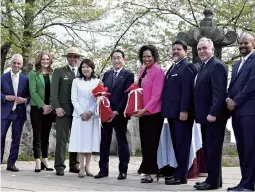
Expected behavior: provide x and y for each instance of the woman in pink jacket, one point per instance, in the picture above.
(151, 79)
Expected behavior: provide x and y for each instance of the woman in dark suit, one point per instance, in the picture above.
(151, 80)
(41, 110)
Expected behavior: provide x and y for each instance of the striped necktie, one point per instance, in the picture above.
(114, 76)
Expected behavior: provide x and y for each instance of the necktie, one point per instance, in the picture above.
(241, 64)
(174, 66)
(114, 76)
(199, 71)
(73, 72)
(15, 87)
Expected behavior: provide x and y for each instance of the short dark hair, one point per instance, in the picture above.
(182, 43)
(150, 48)
(118, 51)
(91, 64)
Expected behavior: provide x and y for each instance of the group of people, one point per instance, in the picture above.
(183, 95)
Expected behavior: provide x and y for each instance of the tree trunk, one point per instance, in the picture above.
(28, 36)
(4, 51)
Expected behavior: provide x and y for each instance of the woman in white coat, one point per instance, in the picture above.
(85, 132)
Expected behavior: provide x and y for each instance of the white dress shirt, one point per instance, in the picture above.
(118, 71)
(15, 84)
(243, 61)
(75, 69)
(204, 66)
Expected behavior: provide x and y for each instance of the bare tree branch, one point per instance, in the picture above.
(194, 17)
(53, 38)
(42, 9)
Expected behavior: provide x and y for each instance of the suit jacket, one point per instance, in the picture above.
(118, 98)
(7, 89)
(242, 87)
(178, 90)
(152, 85)
(210, 91)
(37, 88)
(62, 79)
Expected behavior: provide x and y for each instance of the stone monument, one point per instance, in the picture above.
(221, 38)
(208, 28)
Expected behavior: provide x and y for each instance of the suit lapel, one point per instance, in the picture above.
(42, 79)
(235, 69)
(9, 79)
(120, 75)
(20, 85)
(200, 70)
(68, 72)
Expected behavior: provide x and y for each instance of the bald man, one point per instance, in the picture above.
(241, 103)
(14, 99)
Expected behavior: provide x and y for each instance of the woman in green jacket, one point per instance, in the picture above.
(41, 110)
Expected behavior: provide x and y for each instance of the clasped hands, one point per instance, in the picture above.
(85, 116)
(18, 100)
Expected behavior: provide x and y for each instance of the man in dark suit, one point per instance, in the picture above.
(241, 103)
(62, 79)
(14, 99)
(210, 88)
(117, 80)
(177, 107)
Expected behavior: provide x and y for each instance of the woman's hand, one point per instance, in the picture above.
(86, 116)
(47, 109)
(140, 113)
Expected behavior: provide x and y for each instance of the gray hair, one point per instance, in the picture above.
(18, 56)
(205, 39)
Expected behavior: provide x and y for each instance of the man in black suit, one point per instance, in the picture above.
(210, 88)
(241, 103)
(177, 107)
(117, 81)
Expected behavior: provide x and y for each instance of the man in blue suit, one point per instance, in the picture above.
(117, 81)
(241, 103)
(210, 89)
(177, 107)
(14, 97)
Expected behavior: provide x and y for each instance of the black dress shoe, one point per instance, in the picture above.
(201, 183)
(74, 170)
(233, 188)
(122, 176)
(169, 178)
(12, 168)
(205, 186)
(237, 188)
(176, 181)
(60, 173)
(100, 175)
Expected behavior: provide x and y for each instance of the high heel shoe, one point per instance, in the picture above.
(88, 173)
(37, 170)
(43, 167)
(148, 179)
(81, 175)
